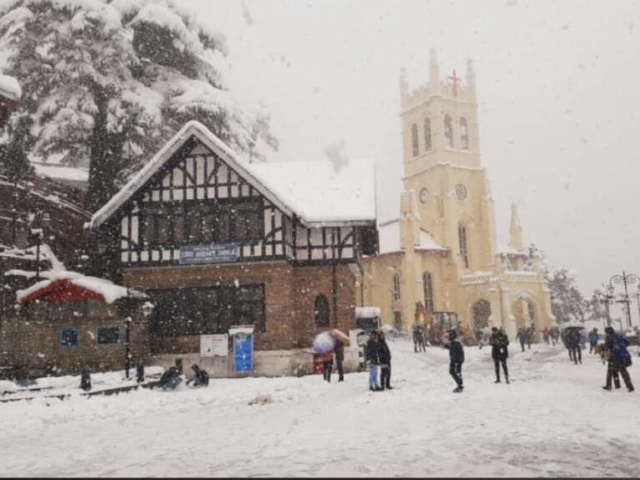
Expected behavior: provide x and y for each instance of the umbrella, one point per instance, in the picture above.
(338, 335)
(324, 343)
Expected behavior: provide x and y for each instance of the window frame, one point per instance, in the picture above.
(109, 327)
(463, 244)
(448, 132)
(427, 290)
(61, 337)
(464, 134)
(415, 143)
(396, 287)
(427, 134)
(321, 311)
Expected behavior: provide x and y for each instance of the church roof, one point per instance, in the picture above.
(389, 238)
(319, 193)
(512, 252)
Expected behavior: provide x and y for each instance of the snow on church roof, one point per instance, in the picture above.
(509, 250)
(313, 190)
(389, 238)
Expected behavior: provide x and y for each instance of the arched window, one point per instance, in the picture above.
(322, 311)
(414, 140)
(462, 239)
(481, 314)
(427, 286)
(396, 287)
(448, 131)
(427, 134)
(464, 134)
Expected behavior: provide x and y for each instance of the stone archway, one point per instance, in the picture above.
(525, 311)
(481, 311)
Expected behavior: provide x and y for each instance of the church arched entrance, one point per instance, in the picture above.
(524, 311)
(481, 313)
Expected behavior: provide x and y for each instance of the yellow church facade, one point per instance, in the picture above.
(440, 256)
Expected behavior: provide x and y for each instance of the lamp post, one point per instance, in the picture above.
(625, 279)
(127, 354)
(605, 299)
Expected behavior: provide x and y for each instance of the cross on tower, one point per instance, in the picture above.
(454, 79)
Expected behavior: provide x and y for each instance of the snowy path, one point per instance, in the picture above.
(553, 420)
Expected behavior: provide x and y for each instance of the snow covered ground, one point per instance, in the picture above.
(553, 420)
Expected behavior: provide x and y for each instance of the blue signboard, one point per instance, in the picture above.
(221, 253)
(243, 352)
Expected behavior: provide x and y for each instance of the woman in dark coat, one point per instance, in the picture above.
(384, 356)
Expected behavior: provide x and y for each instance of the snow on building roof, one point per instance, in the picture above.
(389, 238)
(10, 88)
(292, 186)
(62, 285)
(509, 250)
(61, 172)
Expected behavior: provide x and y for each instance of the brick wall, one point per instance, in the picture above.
(290, 293)
(30, 340)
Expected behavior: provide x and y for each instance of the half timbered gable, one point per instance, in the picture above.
(196, 202)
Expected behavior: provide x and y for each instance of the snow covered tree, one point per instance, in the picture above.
(107, 82)
(567, 303)
(597, 310)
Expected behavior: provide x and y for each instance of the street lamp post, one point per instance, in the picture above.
(127, 353)
(625, 279)
(606, 300)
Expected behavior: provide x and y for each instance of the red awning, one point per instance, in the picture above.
(61, 291)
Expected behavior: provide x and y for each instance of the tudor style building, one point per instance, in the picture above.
(218, 242)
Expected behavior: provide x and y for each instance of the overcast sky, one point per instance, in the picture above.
(557, 87)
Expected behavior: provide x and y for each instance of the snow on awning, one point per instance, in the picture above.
(244, 330)
(367, 312)
(65, 286)
(10, 88)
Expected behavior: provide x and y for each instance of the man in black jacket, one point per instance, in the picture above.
(384, 355)
(499, 352)
(456, 359)
(372, 355)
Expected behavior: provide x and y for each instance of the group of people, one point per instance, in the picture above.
(378, 355)
(525, 335)
(419, 340)
(171, 378)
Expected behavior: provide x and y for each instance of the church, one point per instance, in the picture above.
(439, 260)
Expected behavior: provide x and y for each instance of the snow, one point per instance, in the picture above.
(110, 291)
(389, 238)
(553, 420)
(509, 250)
(10, 87)
(324, 343)
(244, 330)
(61, 173)
(312, 189)
(367, 312)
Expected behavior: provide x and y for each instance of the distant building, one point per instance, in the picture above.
(218, 243)
(440, 258)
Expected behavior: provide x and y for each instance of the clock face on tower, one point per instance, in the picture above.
(461, 191)
(424, 195)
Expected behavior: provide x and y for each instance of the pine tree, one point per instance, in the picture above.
(106, 83)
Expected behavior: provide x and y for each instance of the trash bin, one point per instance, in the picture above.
(317, 363)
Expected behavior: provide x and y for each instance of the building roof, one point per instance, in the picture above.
(66, 286)
(389, 238)
(510, 251)
(319, 194)
(10, 88)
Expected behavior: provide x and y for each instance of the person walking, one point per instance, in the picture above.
(327, 366)
(617, 345)
(456, 359)
(522, 336)
(339, 354)
(385, 362)
(499, 352)
(418, 337)
(573, 344)
(545, 335)
(529, 334)
(373, 357)
(593, 340)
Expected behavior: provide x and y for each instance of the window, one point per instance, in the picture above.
(321, 311)
(396, 287)
(448, 131)
(219, 222)
(427, 134)
(108, 335)
(69, 338)
(414, 140)
(208, 310)
(462, 238)
(427, 286)
(464, 134)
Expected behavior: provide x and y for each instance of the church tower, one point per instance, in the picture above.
(442, 165)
